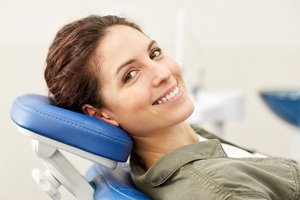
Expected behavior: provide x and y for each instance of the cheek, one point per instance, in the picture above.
(132, 113)
(173, 67)
(126, 102)
(135, 99)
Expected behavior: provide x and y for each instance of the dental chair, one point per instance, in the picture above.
(52, 129)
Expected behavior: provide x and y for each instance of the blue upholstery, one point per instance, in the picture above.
(34, 113)
(113, 184)
(284, 103)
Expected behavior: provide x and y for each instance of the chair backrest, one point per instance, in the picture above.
(54, 128)
(34, 113)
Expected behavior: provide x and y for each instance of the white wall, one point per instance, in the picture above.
(248, 45)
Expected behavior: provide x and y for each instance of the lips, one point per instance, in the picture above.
(168, 96)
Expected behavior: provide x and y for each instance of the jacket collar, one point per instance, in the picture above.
(170, 163)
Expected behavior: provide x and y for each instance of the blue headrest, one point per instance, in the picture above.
(35, 113)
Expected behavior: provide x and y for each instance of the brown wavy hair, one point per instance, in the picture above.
(72, 69)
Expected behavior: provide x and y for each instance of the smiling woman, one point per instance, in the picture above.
(107, 68)
(139, 73)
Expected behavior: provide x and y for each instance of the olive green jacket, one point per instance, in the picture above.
(203, 171)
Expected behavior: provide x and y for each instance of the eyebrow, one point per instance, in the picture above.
(132, 60)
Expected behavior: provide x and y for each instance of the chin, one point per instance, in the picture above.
(186, 111)
(189, 109)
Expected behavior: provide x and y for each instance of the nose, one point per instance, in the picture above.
(160, 74)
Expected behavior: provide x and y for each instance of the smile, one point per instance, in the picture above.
(168, 96)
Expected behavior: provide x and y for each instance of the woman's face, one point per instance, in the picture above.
(142, 87)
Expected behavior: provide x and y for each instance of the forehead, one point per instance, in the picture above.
(120, 44)
(122, 30)
(119, 36)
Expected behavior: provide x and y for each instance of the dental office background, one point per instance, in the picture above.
(229, 49)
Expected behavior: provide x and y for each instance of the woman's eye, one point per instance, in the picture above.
(130, 75)
(155, 53)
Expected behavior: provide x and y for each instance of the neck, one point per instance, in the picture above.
(152, 147)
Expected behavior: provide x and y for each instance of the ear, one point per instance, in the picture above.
(99, 113)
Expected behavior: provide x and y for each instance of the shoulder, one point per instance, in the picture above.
(240, 179)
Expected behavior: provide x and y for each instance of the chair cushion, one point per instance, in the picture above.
(113, 184)
(34, 113)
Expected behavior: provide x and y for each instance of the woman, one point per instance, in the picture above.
(107, 68)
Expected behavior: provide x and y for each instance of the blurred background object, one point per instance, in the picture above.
(286, 105)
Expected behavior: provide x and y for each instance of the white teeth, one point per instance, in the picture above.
(169, 96)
